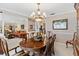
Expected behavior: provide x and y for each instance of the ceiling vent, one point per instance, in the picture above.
(52, 14)
(1, 11)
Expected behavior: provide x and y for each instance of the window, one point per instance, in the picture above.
(60, 24)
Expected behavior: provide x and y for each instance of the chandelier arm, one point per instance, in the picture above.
(38, 9)
(38, 15)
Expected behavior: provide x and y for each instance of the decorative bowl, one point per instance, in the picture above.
(38, 38)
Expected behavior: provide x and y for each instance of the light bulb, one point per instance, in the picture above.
(38, 19)
(33, 13)
(44, 14)
(39, 12)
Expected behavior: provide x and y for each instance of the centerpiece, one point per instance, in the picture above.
(38, 37)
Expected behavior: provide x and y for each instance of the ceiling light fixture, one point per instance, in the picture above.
(38, 15)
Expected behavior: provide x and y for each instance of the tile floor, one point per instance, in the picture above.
(61, 50)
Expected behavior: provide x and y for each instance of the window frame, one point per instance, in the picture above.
(66, 20)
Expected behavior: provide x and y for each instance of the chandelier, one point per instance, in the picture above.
(38, 15)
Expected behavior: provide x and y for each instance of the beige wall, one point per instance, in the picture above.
(13, 18)
(63, 35)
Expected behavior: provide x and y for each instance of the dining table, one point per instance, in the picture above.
(32, 45)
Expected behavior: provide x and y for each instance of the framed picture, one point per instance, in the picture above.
(31, 27)
(61, 24)
(22, 26)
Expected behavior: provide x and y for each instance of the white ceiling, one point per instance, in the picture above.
(28, 8)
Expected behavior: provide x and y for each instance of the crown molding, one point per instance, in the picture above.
(4, 10)
(61, 13)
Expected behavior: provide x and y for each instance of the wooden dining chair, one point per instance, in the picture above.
(52, 44)
(47, 51)
(71, 42)
(48, 47)
(6, 51)
(1, 51)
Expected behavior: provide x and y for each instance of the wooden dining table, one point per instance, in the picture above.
(32, 46)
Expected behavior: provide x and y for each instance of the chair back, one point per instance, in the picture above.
(1, 51)
(47, 51)
(54, 37)
(75, 36)
(49, 33)
(49, 46)
(52, 44)
(4, 46)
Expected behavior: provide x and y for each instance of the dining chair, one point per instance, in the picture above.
(48, 34)
(71, 42)
(52, 44)
(47, 49)
(1, 51)
(44, 51)
(6, 51)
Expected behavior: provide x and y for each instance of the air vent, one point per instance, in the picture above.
(1, 11)
(52, 14)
